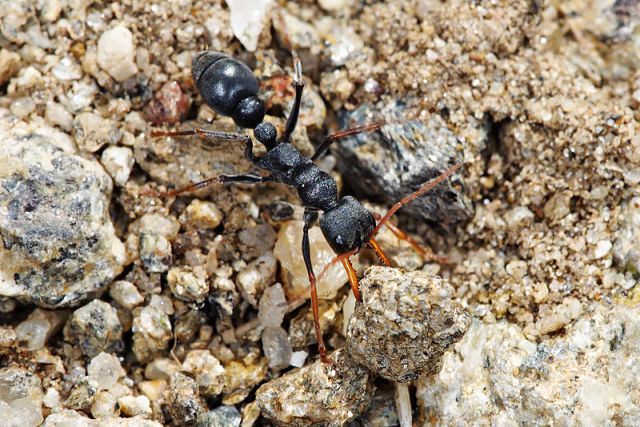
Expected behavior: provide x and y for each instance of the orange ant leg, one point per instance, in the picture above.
(378, 250)
(222, 179)
(369, 127)
(353, 277)
(425, 253)
(421, 191)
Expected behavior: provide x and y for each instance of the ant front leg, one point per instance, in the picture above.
(222, 179)
(310, 218)
(298, 85)
(209, 135)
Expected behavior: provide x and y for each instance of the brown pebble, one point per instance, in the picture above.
(168, 106)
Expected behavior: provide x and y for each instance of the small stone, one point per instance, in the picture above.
(183, 400)
(552, 318)
(298, 358)
(302, 331)
(188, 283)
(255, 240)
(95, 328)
(258, 274)
(558, 206)
(250, 414)
(155, 252)
(207, 370)
(318, 394)
(161, 369)
(224, 295)
(22, 106)
(34, 332)
(82, 395)
(381, 411)
(116, 53)
(132, 406)
(67, 69)
(241, 378)
(68, 418)
(200, 215)
(625, 249)
(247, 20)
(125, 294)
(275, 344)
(518, 217)
(155, 223)
(58, 115)
(168, 106)
(403, 405)
(20, 398)
(50, 10)
(222, 416)
(603, 247)
(92, 131)
(105, 370)
(51, 398)
(154, 390)
(405, 323)
(151, 332)
(287, 250)
(9, 65)
(105, 404)
(118, 161)
(272, 306)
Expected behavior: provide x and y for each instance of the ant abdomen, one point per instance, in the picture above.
(229, 87)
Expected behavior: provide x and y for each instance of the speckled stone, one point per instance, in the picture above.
(59, 244)
(318, 394)
(405, 323)
(95, 328)
(20, 398)
(183, 400)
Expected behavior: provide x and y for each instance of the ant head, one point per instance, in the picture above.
(249, 112)
(266, 134)
(348, 226)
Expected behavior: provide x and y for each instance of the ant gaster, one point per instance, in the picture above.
(230, 88)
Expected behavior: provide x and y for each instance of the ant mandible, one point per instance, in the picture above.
(230, 88)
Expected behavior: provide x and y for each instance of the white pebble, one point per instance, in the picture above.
(126, 294)
(105, 370)
(276, 346)
(603, 247)
(116, 53)
(132, 406)
(248, 19)
(272, 306)
(58, 115)
(298, 358)
(67, 69)
(118, 161)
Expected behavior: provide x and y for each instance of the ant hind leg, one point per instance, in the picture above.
(208, 135)
(222, 179)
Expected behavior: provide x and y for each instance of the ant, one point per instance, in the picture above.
(230, 88)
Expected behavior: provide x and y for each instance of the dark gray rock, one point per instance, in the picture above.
(389, 164)
(183, 400)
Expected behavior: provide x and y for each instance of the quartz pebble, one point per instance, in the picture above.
(625, 249)
(92, 131)
(276, 346)
(188, 283)
(222, 416)
(298, 358)
(151, 332)
(105, 404)
(161, 369)
(118, 161)
(241, 378)
(169, 105)
(95, 328)
(126, 294)
(9, 65)
(183, 400)
(67, 418)
(58, 115)
(272, 306)
(155, 252)
(405, 323)
(20, 398)
(255, 240)
(207, 370)
(105, 370)
(247, 20)
(34, 332)
(331, 394)
(116, 53)
(258, 274)
(135, 405)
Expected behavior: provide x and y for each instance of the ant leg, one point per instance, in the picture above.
(222, 179)
(206, 135)
(424, 252)
(309, 219)
(369, 127)
(422, 190)
(298, 84)
(378, 250)
(353, 277)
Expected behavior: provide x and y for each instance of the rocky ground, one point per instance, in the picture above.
(125, 309)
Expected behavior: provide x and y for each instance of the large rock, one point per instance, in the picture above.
(59, 246)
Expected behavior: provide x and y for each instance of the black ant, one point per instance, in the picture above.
(229, 87)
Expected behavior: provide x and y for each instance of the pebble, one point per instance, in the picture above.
(135, 405)
(154, 390)
(287, 251)
(255, 277)
(105, 404)
(151, 332)
(95, 328)
(625, 248)
(183, 401)
(248, 18)
(161, 369)
(241, 378)
(224, 295)
(298, 358)
(9, 65)
(207, 370)
(200, 215)
(391, 163)
(222, 416)
(20, 398)
(118, 161)
(116, 53)
(21, 107)
(67, 69)
(67, 418)
(168, 106)
(188, 283)
(272, 306)
(255, 240)
(381, 411)
(59, 243)
(318, 394)
(602, 249)
(105, 370)
(82, 395)
(58, 115)
(92, 131)
(33, 333)
(276, 346)
(126, 294)
(155, 252)
(405, 323)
